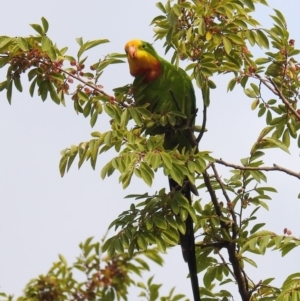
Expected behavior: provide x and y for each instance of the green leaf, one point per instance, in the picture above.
(256, 227)
(146, 173)
(160, 244)
(32, 87)
(231, 84)
(46, 43)
(18, 84)
(9, 91)
(286, 138)
(170, 236)
(262, 39)
(136, 116)
(255, 89)
(45, 24)
(176, 175)
(286, 249)
(166, 159)
(94, 118)
(261, 61)
(88, 45)
(5, 43)
(175, 207)
(160, 222)
(141, 242)
(209, 277)
(261, 111)
(87, 109)
(22, 43)
(280, 16)
(277, 143)
(292, 130)
(83, 96)
(161, 7)
(57, 76)
(250, 261)
(250, 4)
(250, 93)
(79, 41)
(269, 117)
(63, 164)
(201, 27)
(236, 39)
(263, 242)
(181, 226)
(3, 85)
(38, 29)
(227, 45)
(155, 160)
(254, 104)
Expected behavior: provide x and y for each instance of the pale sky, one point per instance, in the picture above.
(43, 215)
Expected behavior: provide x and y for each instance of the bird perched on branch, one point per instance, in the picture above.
(170, 94)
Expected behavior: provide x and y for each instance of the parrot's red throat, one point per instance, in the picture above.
(149, 74)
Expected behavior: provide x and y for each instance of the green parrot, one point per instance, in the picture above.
(166, 89)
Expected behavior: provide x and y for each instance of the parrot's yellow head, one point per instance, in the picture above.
(142, 59)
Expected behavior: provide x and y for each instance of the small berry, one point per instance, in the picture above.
(291, 42)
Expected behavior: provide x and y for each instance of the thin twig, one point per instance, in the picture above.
(230, 208)
(226, 264)
(220, 183)
(275, 90)
(285, 101)
(264, 168)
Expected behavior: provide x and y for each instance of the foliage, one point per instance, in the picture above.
(216, 37)
(106, 278)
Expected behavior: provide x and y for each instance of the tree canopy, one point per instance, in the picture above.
(215, 39)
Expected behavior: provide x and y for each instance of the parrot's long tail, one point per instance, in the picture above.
(187, 242)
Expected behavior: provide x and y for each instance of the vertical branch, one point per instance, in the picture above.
(229, 203)
(231, 246)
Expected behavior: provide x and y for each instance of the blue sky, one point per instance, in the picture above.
(42, 214)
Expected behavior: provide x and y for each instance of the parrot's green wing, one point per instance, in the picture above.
(172, 97)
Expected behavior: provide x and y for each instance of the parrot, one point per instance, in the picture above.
(167, 89)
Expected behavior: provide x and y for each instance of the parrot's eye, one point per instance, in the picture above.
(143, 45)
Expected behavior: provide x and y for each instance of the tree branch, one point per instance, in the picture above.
(275, 90)
(264, 168)
(214, 198)
(226, 264)
(284, 100)
(230, 207)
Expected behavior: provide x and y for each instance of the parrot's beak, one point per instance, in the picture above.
(131, 51)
